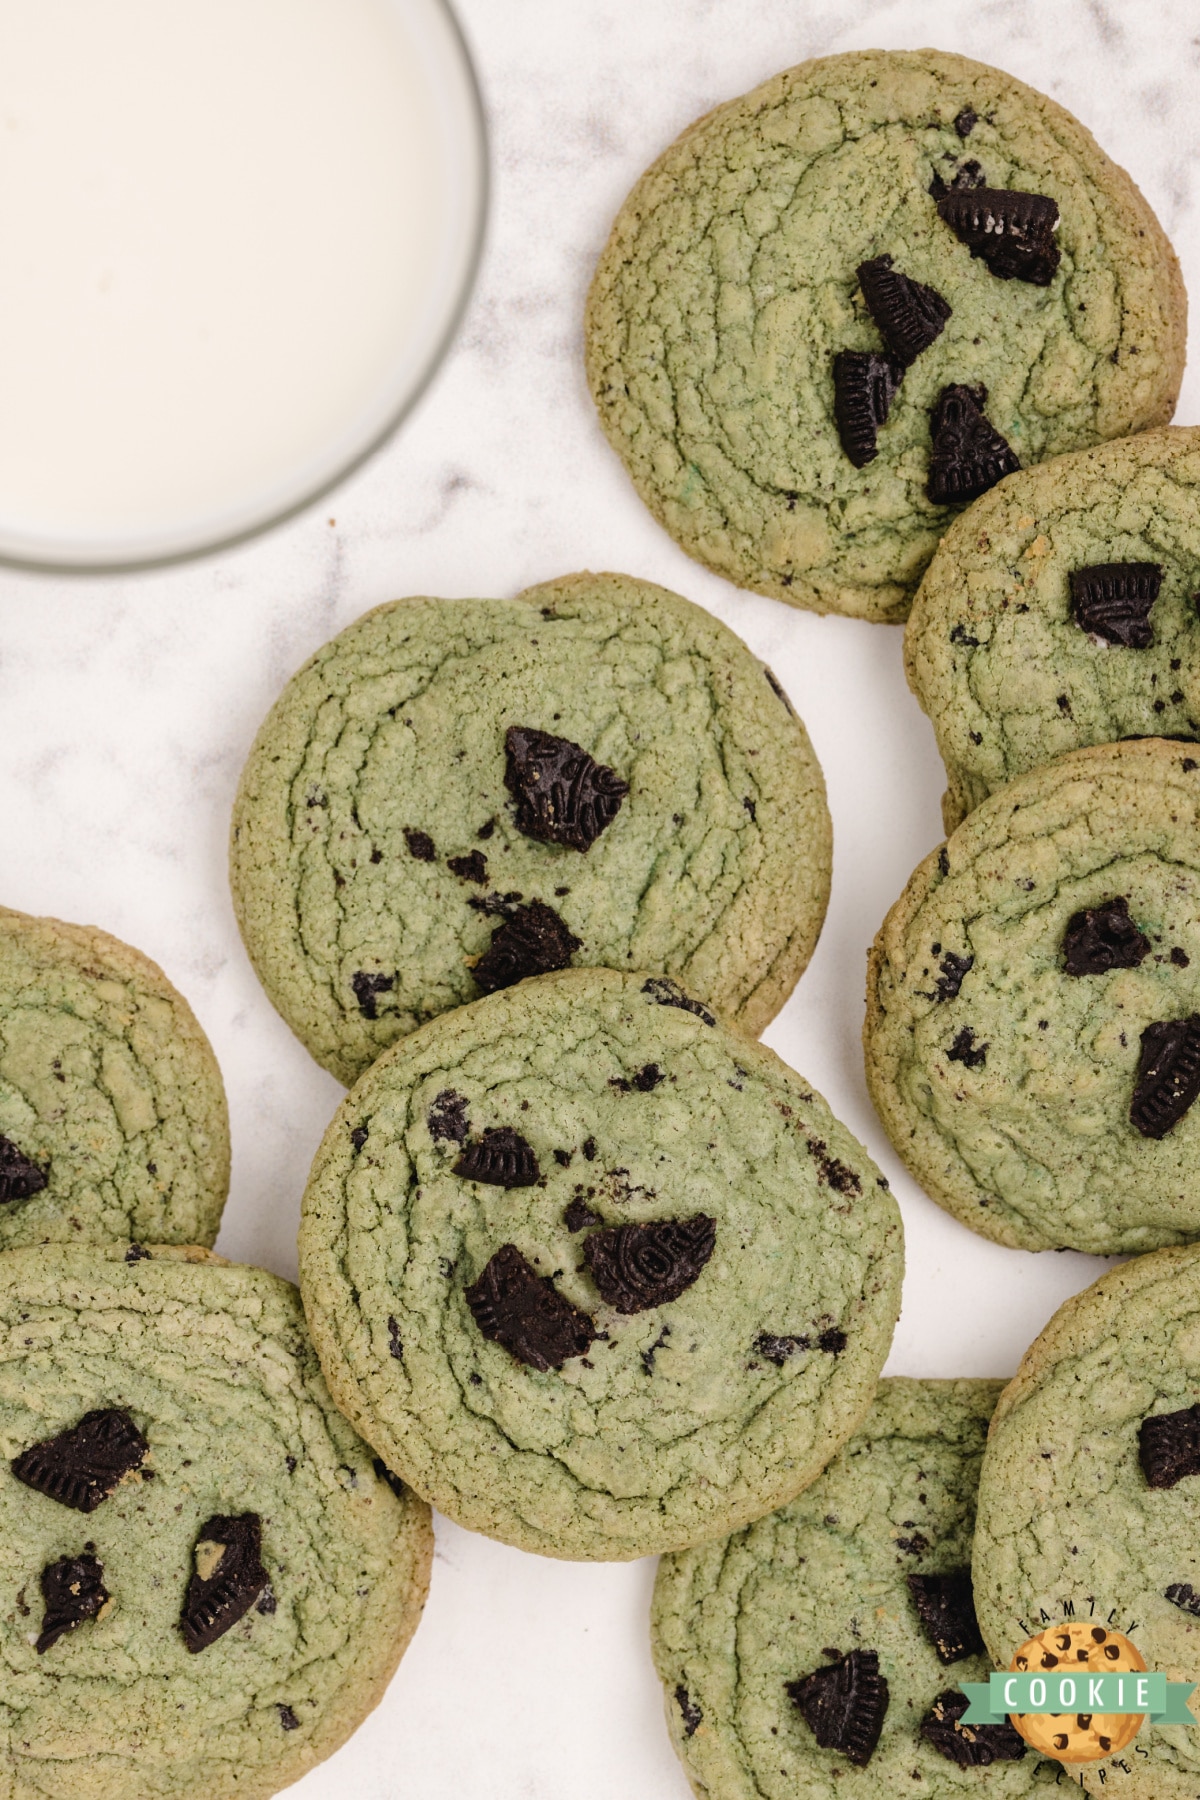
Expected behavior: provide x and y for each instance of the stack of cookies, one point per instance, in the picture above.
(583, 1263)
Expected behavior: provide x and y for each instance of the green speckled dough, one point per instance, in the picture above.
(734, 1621)
(1032, 1145)
(993, 652)
(108, 1083)
(676, 1427)
(729, 283)
(215, 1367)
(715, 869)
(1066, 1516)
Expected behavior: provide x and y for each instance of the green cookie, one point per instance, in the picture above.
(1087, 1514)
(113, 1122)
(454, 794)
(730, 283)
(1061, 611)
(594, 1274)
(207, 1580)
(869, 1569)
(1033, 1007)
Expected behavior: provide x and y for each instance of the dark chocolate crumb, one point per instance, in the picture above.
(636, 1267)
(1168, 1075)
(953, 970)
(960, 635)
(644, 1082)
(589, 1149)
(966, 121)
(649, 1355)
(665, 992)
(970, 1746)
(502, 1158)
(563, 1158)
(1102, 938)
(831, 1172)
(395, 1345)
(965, 1050)
(358, 1137)
(532, 941)
(563, 796)
(136, 1254)
(1169, 1446)
(447, 1118)
(1180, 958)
(946, 1608)
(750, 807)
(1184, 1595)
(692, 1716)
(773, 680)
(916, 1545)
(778, 1349)
(367, 989)
(486, 831)
(215, 1601)
(81, 1467)
(523, 1311)
(287, 1718)
(20, 1176)
(393, 1481)
(420, 844)
(471, 867)
(943, 861)
(844, 1704)
(579, 1215)
(73, 1590)
(267, 1603)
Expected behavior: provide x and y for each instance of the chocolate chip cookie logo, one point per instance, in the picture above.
(1078, 1692)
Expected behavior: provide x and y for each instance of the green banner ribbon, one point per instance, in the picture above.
(1060, 1691)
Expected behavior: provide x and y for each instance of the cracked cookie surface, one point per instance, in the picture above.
(1069, 1526)
(112, 1106)
(735, 1622)
(995, 649)
(1029, 996)
(460, 1323)
(729, 284)
(211, 1363)
(379, 868)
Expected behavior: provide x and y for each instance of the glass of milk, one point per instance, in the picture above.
(236, 237)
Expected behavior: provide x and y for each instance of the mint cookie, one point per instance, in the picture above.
(1089, 1501)
(1033, 1007)
(1061, 611)
(821, 1652)
(208, 1577)
(842, 306)
(112, 1112)
(454, 795)
(595, 1275)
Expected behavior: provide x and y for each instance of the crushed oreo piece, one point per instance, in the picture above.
(946, 1608)
(447, 1118)
(665, 992)
(970, 1746)
(579, 1215)
(644, 1082)
(358, 1137)
(968, 176)
(136, 1254)
(774, 682)
(393, 1481)
(1113, 600)
(965, 1050)
(1169, 1446)
(1168, 1075)
(81, 1467)
(832, 1341)
(1183, 1595)
(1102, 938)
(844, 1704)
(523, 1312)
(20, 1176)
(563, 795)
(1013, 232)
(966, 121)
(471, 867)
(420, 844)
(287, 1717)
(636, 1267)
(395, 1341)
(227, 1579)
(832, 1173)
(689, 1711)
(969, 456)
(778, 1349)
(864, 385)
(501, 1158)
(367, 989)
(910, 316)
(953, 970)
(73, 1591)
(532, 941)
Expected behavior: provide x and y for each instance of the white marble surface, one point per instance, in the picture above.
(127, 706)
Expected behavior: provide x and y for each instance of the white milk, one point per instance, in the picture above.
(233, 234)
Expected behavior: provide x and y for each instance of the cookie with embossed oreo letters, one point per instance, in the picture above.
(1060, 611)
(821, 1651)
(596, 1275)
(456, 795)
(1089, 1505)
(838, 308)
(209, 1577)
(113, 1124)
(1032, 1036)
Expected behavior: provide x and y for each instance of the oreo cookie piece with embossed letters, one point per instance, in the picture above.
(454, 796)
(795, 251)
(583, 1369)
(249, 1577)
(1049, 1101)
(795, 1657)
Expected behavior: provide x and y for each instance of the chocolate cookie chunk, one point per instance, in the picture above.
(82, 1466)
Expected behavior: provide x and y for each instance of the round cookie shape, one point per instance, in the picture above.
(732, 280)
(1032, 1035)
(113, 1123)
(454, 794)
(209, 1578)
(1089, 1504)
(595, 1275)
(1060, 611)
(867, 1573)
(1085, 1648)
